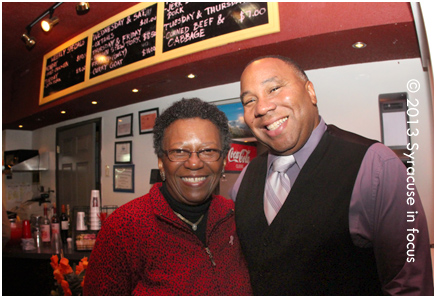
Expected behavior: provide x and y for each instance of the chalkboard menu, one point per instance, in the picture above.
(65, 68)
(187, 23)
(125, 41)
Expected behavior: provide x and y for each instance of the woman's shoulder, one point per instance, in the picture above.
(136, 208)
(223, 202)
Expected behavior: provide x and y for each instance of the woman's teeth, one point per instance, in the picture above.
(276, 124)
(194, 179)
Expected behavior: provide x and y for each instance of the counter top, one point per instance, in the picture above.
(29, 273)
(43, 252)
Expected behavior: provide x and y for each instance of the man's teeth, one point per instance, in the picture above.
(193, 180)
(276, 124)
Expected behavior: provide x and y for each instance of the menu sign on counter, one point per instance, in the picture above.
(66, 68)
(126, 41)
(189, 22)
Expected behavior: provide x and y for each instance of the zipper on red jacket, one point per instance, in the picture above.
(210, 256)
(209, 253)
(230, 213)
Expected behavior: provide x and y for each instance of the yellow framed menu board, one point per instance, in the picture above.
(147, 34)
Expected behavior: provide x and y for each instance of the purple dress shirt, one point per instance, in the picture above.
(378, 217)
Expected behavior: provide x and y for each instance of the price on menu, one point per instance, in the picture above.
(123, 42)
(66, 68)
(187, 23)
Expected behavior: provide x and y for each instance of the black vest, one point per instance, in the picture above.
(307, 250)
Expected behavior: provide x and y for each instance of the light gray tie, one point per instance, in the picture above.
(277, 186)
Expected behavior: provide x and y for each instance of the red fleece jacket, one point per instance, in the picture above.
(144, 249)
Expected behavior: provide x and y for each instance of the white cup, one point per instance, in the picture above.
(80, 222)
(95, 199)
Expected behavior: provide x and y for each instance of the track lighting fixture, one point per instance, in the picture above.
(29, 41)
(46, 25)
(82, 7)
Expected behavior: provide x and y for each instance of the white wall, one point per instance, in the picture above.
(347, 97)
(16, 139)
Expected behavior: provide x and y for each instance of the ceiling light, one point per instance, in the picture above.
(94, 102)
(191, 76)
(63, 112)
(135, 90)
(82, 7)
(29, 41)
(359, 45)
(46, 25)
(20, 126)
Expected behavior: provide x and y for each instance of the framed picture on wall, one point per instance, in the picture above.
(235, 113)
(123, 152)
(124, 178)
(124, 126)
(146, 120)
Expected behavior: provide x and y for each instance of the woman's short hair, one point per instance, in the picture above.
(187, 109)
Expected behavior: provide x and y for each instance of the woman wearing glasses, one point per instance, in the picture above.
(180, 238)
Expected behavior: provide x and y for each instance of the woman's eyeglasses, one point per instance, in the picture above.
(206, 155)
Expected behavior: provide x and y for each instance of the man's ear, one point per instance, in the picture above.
(311, 90)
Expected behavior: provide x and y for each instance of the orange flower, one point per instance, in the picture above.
(64, 275)
(66, 287)
(68, 293)
(82, 265)
(58, 276)
(84, 262)
(79, 268)
(83, 282)
(54, 261)
(64, 267)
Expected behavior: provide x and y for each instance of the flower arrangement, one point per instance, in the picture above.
(69, 282)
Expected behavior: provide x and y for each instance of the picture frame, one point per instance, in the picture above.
(124, 126)
(123, 152)
(147, 119)
(124, 178)
(234, 111)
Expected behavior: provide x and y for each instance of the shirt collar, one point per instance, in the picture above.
(302, 155)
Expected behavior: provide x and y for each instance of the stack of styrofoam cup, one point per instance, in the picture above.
(94, 214)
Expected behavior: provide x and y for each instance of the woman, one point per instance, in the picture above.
(179, 239)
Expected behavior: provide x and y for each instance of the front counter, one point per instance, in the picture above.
(28, 273)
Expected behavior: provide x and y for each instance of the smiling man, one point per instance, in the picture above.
(323, 212)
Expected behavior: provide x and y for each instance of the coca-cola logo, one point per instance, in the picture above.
(242, 156)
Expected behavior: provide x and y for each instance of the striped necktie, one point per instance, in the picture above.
(277, 186)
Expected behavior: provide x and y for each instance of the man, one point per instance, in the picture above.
(342, 229)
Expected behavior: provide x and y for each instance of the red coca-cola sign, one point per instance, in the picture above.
(239, 156)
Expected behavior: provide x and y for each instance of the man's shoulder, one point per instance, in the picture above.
(376, 149)
(349, 136)
(382, 153)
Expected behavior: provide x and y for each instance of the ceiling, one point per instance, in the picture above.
(323, 41)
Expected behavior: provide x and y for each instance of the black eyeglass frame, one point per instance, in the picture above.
(167, 153)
